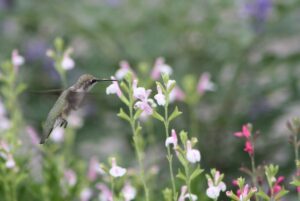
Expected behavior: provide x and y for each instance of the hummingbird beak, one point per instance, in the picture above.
(104, 80)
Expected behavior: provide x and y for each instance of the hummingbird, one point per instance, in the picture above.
(70, 99)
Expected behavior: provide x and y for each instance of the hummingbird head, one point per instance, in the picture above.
(86, 82)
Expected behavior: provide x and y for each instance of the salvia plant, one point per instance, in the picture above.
(53, 172)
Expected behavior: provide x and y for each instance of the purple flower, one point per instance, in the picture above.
(160, 67)
(105, 194)
(114, 88)
(144, 102)
(70, 177)
(33, 135)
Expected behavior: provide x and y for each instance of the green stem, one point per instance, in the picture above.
(112, 187)
(254, 180)
(169, 155)
(296, 152)
(135, 140)
(188, 183)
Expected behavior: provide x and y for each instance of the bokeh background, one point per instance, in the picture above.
(251, 48)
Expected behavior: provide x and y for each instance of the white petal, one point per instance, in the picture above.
(86, 194)
(222, 186)
(57, 134)
(10, 163)
(165, 69)
(194, 197)
(169, 140)
(111, 89)
(129, 192)
(193, 156)
(213, 192)
(160, 99)
(117, 171)
(67, 63)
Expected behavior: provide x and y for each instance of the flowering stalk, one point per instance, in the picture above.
(132, 118)
(294, 127)
(163, 98)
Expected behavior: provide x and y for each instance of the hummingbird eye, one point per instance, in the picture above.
(93, 81)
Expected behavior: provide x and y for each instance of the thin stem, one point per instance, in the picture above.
(296, 152)
(136, 146)
(188, 183)
(169, 155)
(253, 166)
(112, 187)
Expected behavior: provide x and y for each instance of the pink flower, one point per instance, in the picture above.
(67, 62)
(114, 88)
(70, 177)
(215, 186)
(160, 97)
(249, 148)
(192, 155)
(276, 187)
(93, 169)
(124, 69)
(116, 171)
(244, 133)
(205, 84)
(176, 94)
(160, 67)
(33, 135)
(129, 192)
(86, 194)
(17, 60)
(106, 194)
(245, 191)
(172, 139)
(144, 102)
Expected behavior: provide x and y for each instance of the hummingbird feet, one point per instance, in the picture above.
(63, 123)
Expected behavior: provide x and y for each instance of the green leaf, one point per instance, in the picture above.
(196, 173)
(137, 114)
(280, 194)
(175, 114)
(20, 88)
(182, 159)
(263, 195)
(295, 183)
(183, 137)
(167, 193)
(157, 116)
(123, 115)
(124, 87)
(180, 175)
(124, 100)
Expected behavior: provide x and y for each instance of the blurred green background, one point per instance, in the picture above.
(251, 48)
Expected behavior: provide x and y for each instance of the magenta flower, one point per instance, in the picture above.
(277, 187)
(205, 84)
(114, 88)
(160, 67)
(244, 133)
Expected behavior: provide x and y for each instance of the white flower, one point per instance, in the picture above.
(75, 119)
(160, 67)
(213, 192)
(160, 97)
(192, 155)
(114, 88)
(67, 62)
(116, 171)
(10, 162)
(172, 139)
(57, 134)
(16, 59)
(106, 194)
(129, 192)
(124, 69)
(86, 194)
(184, 194)
(170, 83)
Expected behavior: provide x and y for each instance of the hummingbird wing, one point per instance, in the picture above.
(54, 114)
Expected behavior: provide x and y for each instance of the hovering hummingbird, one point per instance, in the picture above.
(70, 99)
